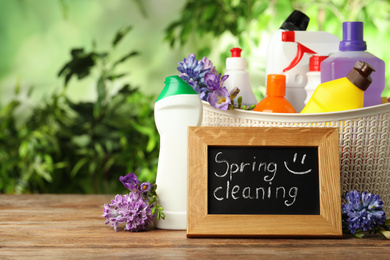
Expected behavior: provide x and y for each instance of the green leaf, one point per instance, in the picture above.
(209, 12)
(60, 165)
(252, 107)
(78, 166)
(9, 108)
(239, 100)
(141, 7)
(120, 34)
(386, 234)
(49, 162)
(99, 150)
(204, 52)
(127, 56)
(102, 93)
(359, 235)
(81, 140)
(185, 33)
(150, 133)
(170, 33)
(92, 167)
(38, 166)
(115, 76)
(80, 65)
(101, 90)
(23, 149)
(109, 163)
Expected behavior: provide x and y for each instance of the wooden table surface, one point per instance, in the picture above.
(71, 226)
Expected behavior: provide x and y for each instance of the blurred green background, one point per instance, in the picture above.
(79, 78)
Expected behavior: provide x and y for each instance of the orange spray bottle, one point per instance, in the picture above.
(275, 101)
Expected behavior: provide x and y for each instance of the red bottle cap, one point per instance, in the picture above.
(236, 52)
(315, 62)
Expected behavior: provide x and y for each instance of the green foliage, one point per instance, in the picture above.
(81, 147)
(246, 20)
(157, 210)
(241, 17)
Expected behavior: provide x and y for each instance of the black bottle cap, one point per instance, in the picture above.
(360, 75)
(297, 21)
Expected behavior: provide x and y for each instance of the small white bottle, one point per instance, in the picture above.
(177, 107)
(313, 75)
(239, 78)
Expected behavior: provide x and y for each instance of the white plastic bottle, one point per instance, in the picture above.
(281, 53)
(313, 75)
(239, 77)
(177, 107)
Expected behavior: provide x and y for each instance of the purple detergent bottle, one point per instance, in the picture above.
(353, 48)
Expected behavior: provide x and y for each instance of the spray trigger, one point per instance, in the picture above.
(301, 50)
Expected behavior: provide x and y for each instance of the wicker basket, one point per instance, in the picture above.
(364, 140)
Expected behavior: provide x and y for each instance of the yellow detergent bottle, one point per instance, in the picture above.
(341, 94)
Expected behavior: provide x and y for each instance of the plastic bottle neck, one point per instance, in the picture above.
(276, 85)
(236, 62)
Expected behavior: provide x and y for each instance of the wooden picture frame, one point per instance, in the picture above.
(200, 223)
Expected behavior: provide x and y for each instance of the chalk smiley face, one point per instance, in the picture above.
(294, 161)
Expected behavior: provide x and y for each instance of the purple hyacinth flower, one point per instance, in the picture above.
(144, 187)
(214, 82)
(362, 211)
(190, 68)
(220, 99)
(133, 210)
(208, 66)
(130, 181)
(202, 91)
(371, 201)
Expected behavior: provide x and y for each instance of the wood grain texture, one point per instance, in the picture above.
(71, 227)
(202, 224)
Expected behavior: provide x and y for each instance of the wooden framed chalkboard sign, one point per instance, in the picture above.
(263, 181)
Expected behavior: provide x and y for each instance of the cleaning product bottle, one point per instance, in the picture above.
(341, 94)
(309, 43)
(313, 75)
(275, 102)
(286, 54)
(239, 77)
(353, 48)
(177, 107)
(279, 53)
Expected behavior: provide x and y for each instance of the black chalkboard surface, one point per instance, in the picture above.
(263, 180)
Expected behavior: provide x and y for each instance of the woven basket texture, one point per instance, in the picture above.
(364, 141)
